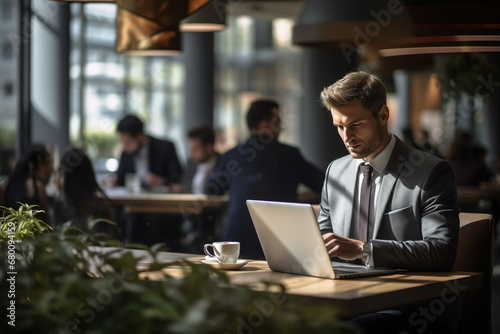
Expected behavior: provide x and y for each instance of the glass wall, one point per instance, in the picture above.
(255, 59)
(9, 39)
(105, 85)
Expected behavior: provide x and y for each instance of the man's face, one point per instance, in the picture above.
(361, 133)
(131, 144)
(199, 151)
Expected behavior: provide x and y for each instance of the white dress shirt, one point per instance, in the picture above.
(379, 164)
(201, 175)
(141, 162)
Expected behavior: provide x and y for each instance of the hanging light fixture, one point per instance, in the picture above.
(86, 1)
(210, 17)
(151, 27)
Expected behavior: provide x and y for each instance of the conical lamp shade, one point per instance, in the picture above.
(151, 27)
(211, 17)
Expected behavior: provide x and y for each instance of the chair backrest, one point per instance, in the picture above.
(475, 254)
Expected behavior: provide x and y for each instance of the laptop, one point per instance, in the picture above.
(291, 240)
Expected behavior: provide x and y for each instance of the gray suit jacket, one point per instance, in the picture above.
(416, 224)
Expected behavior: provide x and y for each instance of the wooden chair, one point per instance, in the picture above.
(475, 254)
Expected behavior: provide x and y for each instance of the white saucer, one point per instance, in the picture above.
(225, 266)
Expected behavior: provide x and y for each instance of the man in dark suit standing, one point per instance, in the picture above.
(153, 160)
(263, 169)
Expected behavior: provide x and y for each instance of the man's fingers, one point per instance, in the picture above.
(333, 250)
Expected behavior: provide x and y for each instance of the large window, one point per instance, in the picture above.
(8, 84)
(105, 85)
(256, 59)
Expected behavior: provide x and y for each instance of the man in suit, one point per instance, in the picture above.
(261, 168)
(385, 204)
(153, 160)
(198, 229)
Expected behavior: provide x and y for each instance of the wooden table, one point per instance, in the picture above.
(148, 202)
(352, 296)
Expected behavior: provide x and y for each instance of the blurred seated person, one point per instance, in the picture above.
(7, 161)
(468, 161)
(27, 182)
(153, 160)
(81, 198)
(203, 159)
(420, 140)
(156, 164)
(197, 230)
(262, 168)
(424, 143)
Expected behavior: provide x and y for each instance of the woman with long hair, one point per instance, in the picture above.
(81, 196)
(27, 182)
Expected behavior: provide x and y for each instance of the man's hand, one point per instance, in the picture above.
(344, 248)
(153, 180)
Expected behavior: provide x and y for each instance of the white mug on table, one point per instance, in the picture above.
(224, 251)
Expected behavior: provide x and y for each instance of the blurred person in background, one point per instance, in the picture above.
(81, 198)
(203, 159)
(27, 182)
(197, 230)
(468, 161)
(262, 168)
(156, 164)
(153, 160)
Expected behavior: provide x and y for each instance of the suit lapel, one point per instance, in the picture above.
(348, 178)
(391, 175)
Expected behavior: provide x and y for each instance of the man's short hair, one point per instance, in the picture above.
(131, 125)
(204, 133)
(260, 110)
(355, 86)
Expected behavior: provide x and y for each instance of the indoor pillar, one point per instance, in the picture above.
(402, 86)
(50, 73)
(320, 142)
(198, 49)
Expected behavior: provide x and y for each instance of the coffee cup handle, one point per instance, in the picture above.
(216, 252)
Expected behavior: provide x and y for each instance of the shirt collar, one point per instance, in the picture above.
(380, 161)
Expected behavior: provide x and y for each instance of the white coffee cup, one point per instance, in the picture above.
(224, 251)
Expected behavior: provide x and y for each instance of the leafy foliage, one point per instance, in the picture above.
(462, 73)
(22, 222)
(65, 284)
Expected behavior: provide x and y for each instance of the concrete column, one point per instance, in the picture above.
(198, 49)
(50, 73)
(402, 86)
(492, 135)
(320, 142)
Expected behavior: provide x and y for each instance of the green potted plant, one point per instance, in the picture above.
(66, 285)
(22, 223)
